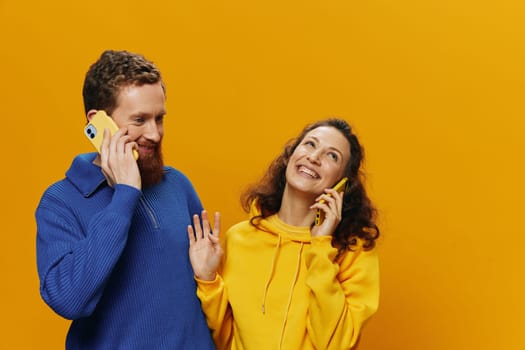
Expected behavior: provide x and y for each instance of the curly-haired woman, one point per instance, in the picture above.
(281, 280)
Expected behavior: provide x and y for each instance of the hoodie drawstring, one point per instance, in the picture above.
(271, 274)
(294, 281)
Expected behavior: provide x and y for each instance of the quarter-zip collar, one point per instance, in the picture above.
(84, 175)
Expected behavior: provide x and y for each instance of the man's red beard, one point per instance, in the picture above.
(151, 168)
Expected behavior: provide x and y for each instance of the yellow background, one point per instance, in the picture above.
(435, 89)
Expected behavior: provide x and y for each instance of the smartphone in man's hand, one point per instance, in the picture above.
(94, 130)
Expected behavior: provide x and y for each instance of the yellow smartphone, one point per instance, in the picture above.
(94, 130)
(340, 186)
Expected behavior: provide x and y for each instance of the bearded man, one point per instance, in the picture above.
(112, 248)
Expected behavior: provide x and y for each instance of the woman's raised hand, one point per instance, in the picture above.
(205, 249)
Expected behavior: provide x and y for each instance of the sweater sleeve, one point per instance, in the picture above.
(214, 301)
(74, 262)
(344, 293)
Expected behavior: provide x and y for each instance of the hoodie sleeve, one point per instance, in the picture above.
(214, 301)
(344, 293)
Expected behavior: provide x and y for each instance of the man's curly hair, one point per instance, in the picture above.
(113, 71)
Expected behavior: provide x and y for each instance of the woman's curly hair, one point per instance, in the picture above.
(359, 215)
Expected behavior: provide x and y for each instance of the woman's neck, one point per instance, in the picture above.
(295, 210)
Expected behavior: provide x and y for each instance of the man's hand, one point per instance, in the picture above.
(117, 161)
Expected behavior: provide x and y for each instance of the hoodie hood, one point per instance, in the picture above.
(275, 226)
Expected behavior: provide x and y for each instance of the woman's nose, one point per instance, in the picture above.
(314, 157)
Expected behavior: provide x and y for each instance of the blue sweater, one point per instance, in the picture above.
(115, 261)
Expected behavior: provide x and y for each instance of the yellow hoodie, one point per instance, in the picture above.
(280, 288)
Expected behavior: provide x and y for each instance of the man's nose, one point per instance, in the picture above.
(153, 131)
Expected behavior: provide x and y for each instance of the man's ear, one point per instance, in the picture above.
(90, 114)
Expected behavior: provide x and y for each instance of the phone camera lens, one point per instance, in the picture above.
(91, 132)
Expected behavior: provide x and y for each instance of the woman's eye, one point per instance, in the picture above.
(333, 156)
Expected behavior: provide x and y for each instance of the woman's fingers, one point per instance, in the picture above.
(205, 223)
(330, 203)
(199, 231)
(197, 227)
(217, 224)
(191, 235)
